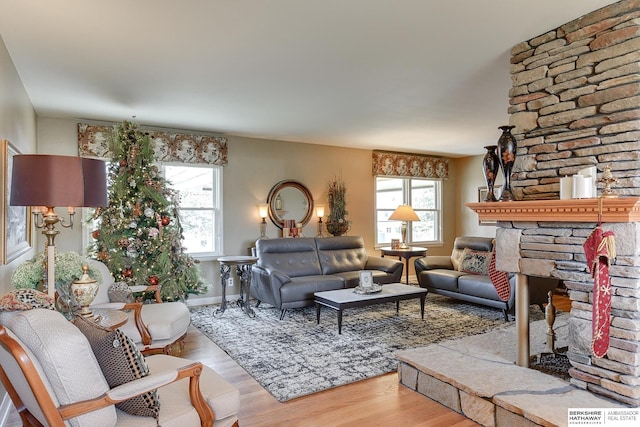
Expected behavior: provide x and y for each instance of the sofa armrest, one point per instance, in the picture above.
(433, 262)
(383, 264)
(266, 284)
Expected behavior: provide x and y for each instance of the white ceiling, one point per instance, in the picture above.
(429, 76)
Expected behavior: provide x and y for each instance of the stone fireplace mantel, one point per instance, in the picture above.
(620, 209)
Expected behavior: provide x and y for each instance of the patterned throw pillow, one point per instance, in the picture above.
(475, 262)
(120, 292)
(121, 362)
(26, 299)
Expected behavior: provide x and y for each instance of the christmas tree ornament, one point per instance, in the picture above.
(95, 234)
(123, 242)
(153, 232)
(133, 224)
(123, 163)
(137, 209)
(165, 220)
(131, 252)
(127, 272)
(153, 280)
(149, 213)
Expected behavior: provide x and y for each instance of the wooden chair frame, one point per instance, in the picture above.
(56, 416)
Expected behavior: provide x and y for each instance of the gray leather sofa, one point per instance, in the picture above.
(289, 271)
(441, 275)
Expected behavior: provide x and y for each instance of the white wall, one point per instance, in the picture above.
(18, 126)
(470, 177)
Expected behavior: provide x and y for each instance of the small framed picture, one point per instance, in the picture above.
(482, 194)
(366, 279)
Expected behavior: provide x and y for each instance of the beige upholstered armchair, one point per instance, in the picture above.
(155, 328)
(56, 377)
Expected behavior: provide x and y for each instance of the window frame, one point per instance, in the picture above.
(88, 225)
(217, 207)
(406, 200)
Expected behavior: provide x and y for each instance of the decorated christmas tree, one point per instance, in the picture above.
(139, 236)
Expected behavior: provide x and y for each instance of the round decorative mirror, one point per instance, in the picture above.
(290, 200)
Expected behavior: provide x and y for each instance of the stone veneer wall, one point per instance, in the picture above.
(551, 249)
(575, 102)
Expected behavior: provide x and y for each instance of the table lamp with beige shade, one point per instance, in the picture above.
(404, 213)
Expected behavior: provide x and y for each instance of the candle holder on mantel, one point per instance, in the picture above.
(608, 179)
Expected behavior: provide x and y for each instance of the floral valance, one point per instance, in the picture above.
(386, 163)
(168, 146)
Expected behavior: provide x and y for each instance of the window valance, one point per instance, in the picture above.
(386, 163)
(167, 146)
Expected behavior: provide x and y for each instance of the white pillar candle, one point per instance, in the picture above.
(592, 173)
(566, 188)
(581, 187)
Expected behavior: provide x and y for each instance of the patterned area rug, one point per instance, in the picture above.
(294, 357)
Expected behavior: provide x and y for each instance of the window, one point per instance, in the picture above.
(424, 195)
(200, 206)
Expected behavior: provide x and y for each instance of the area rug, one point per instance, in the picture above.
(294, 357)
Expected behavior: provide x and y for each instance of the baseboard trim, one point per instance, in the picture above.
(210, 300)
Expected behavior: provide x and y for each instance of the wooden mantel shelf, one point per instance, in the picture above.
(621, 209)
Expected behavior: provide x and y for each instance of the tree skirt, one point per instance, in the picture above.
(294, 357)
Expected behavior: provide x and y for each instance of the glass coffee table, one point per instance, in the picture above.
(349, 298)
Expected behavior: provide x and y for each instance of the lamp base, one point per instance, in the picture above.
(263, 230)
(404, 245)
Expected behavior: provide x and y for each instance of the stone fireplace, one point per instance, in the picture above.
(545, 238)
(575, 102)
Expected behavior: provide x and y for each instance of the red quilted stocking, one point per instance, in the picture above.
(500, 279)
(599, 248)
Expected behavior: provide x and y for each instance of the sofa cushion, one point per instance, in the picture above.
(293, 257)
(352, 278)
(343, 253)
(223, 398)
(479, 286)
(441, 279)
(303, 288)
(165, 321)
(475, 262)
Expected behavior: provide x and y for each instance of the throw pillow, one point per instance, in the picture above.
(475, 262)
(121, 362)
(120, 292)
(26, 299)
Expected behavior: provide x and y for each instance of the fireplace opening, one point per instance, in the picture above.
(555, 364)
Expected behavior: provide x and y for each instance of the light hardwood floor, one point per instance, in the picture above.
(379, 401)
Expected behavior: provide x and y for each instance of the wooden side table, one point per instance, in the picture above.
(243, 269)
(110, 319)
(407, 254)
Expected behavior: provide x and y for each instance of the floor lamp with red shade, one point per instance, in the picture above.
(45, 181)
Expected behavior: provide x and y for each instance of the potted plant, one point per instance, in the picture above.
(337, 223)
